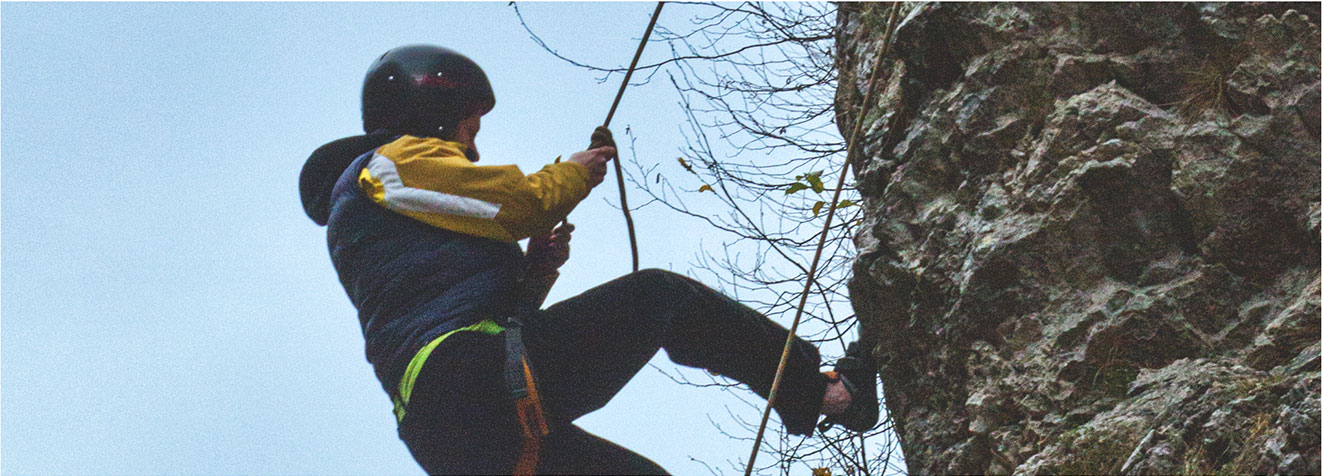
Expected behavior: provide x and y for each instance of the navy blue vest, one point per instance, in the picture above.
(410, 281)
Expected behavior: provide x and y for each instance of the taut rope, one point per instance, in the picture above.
(852, 145)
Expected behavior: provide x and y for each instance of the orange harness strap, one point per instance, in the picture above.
(519, 378)
(534, 425)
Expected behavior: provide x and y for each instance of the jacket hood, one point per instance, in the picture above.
(324, 167)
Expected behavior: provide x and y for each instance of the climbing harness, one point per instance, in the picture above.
(410, 377)
(619, 173)
(518, 379)
(851, 146)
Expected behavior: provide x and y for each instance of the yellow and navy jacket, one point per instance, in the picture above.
(424, 241)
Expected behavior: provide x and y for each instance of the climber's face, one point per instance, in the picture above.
(467, 134)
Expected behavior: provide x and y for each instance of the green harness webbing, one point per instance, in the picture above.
(518, 377)
(415, 366)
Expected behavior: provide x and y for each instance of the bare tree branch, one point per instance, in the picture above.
(757, 84)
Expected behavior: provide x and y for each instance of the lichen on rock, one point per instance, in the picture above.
(1091, 239)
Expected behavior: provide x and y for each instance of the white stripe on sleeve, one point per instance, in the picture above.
(404, 198)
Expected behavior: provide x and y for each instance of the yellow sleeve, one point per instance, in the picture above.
(430, 180)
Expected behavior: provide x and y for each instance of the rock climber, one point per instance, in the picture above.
(425, 243)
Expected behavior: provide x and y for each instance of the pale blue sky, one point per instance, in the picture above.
(169, 309)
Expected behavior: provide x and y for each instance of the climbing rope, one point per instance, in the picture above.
(851, 146)
(619, 173)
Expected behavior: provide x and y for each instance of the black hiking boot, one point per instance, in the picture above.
(858, 370)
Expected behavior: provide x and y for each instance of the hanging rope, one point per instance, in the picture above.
(619, 173)
(851, 146)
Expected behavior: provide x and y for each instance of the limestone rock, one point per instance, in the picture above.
(1091, 241)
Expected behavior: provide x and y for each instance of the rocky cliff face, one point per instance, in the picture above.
(1092, 234)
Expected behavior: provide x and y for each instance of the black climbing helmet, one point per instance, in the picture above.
(423, 90)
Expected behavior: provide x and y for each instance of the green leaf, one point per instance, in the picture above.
(817, 208)
(815, 179)
(706, 188)
(846, 203)
(794, 187)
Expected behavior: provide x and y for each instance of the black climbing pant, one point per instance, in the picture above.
(461, 419)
